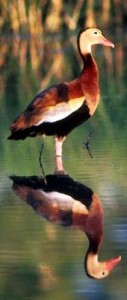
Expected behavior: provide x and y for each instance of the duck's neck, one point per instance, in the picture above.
(89, 64)
(85, 54)
(91, 258)
(90, 82)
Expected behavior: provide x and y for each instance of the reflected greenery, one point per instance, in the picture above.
(23, 282)
(62, 200)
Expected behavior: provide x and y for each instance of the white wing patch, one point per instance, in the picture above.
(63, 202)
(61, 110)
(58, 199)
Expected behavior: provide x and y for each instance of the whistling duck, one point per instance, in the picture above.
(62, 107)
(69, 203)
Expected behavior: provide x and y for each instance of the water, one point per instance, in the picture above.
(39, 259)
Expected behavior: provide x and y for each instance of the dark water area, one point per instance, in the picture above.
(38, 258)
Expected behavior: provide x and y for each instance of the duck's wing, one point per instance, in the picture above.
(51, 105)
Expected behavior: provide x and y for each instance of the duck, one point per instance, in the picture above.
(57, 110)
(69, 203)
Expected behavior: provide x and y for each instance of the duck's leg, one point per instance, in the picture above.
(40, 162)
(58, 155)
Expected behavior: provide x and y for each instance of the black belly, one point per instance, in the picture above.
(65, 126)
(59, 128)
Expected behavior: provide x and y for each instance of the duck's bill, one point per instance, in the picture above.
(106, 42)
(112, 263)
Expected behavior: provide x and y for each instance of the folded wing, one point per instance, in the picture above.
(51, 105)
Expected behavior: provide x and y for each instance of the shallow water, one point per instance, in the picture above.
(39, 259)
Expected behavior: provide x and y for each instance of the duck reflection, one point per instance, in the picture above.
(62, 200)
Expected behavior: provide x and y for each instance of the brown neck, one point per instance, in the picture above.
(89, 65)
(94, 243)
(89, 82)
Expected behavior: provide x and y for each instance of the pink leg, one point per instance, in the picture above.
(58, 154)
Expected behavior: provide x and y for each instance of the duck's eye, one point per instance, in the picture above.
(103, 273)
(95, 32)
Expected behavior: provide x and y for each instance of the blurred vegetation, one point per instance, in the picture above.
(41, 36)
(39, 16)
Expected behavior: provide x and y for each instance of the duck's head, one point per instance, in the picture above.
(89, 37)
(99, 270)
